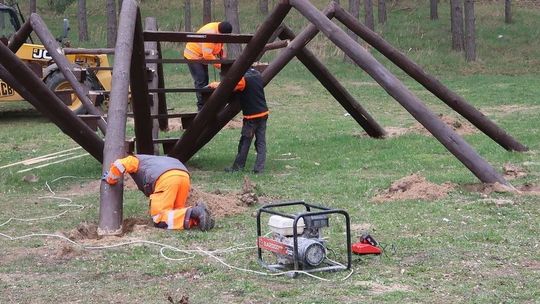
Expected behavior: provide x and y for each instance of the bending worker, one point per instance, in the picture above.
(206, 51)
(250, 92)
(166, 181)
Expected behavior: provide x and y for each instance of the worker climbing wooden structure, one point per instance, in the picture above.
(139, 66)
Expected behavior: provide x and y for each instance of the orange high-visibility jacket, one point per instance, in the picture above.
(204, 50)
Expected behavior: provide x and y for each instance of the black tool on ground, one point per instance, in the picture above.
(296, 239)
(366, 245)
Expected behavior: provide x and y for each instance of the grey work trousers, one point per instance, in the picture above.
(199, 73)
(252, 128)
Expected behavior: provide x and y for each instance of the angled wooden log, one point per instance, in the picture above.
(453, 100)
(334, 87)
(16, 74)
(65, 67)
(452, 141)
(110, 200)
(19, 38)
(187, 142)
(139, 93)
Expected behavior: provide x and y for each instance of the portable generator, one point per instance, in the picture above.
(296, 240)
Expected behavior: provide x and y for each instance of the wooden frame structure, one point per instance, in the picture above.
(139, 65)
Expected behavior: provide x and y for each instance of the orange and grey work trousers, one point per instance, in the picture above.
(168, 201)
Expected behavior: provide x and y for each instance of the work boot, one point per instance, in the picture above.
(201, 216)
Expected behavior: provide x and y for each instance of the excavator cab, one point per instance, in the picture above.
(9, 23)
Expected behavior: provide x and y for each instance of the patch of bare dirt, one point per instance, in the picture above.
(377, 288)
(512, 171)
(461, 127)
(487, 189)
(89, 231)
(175, 124)
(413, 187)
(530, 189)
(503, 110)
(225, 204)
(396, 131)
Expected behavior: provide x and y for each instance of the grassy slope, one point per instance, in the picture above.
(463, 248)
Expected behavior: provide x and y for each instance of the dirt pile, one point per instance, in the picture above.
(413, 187)
(461, 127)
(512, 171)
(89, 231)
(225, 204)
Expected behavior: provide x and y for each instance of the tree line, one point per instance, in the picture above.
(462, 18)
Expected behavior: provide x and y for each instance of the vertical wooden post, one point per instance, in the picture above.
(65, 67)
(187, 15)
(110, 207)
(150, 47)
(186, 144)
(452, 141)
(139, 93)
(453, 100)
(207, 11)
(162, 99)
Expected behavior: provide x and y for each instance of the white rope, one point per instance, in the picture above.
(191, 253)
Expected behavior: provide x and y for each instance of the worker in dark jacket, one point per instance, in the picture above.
(250, 92)
(166, 181)
(205, 51)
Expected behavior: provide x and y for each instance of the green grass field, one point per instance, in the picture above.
(467, 247)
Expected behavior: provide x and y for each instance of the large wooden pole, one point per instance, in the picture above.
(362, 117)
(453, 100)
(65, 67)
(110, 207)
(151, 51)
(139, 93)
(452, 141)
(15, 73)
(162, 99)
(215, 102)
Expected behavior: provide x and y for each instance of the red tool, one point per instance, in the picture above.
(367, 245)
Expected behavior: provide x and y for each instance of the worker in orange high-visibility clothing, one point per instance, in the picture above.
(250, 93)
(166, 181)
(206, 51)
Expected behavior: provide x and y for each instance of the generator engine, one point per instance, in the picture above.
(311, 245)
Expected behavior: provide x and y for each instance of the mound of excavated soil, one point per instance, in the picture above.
(461, 127)
(512, 171)
(88, 231)
(225, 204)
(413, 187)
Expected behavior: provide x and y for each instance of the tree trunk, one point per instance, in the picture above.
(32, 7)
(263, 7)
(231, 15)
(207, 11)
(187, 16)
(111, 23)
(434, 14)
(508, 11)
(381, 5)
(470, 31)
(368, 7)
(354, 9)
(456, 22)
(83, 24)
(119, 6)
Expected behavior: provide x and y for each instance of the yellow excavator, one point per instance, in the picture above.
(39, 60)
